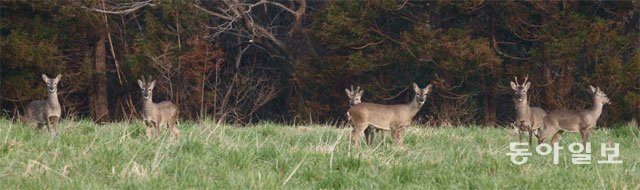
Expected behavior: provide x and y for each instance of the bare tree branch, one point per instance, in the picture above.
(225, 17)
(124, 8)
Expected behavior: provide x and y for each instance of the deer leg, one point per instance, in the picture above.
(49, 123)
(57, 121)
(149, 128)
(54, 122)
(382, 133)
(520, 133)
(530, 137)
(556, 136)
(585, 136)
(174, 130)
(356, 133)
(156, 127)
(401, 135)
(368, 135)
(394, 135)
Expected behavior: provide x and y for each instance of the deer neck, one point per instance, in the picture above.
(596, 109)
(53, 100)
(522, 109)
(414, 106)
(148, 104)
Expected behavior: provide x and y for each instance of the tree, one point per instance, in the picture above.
(264, 26)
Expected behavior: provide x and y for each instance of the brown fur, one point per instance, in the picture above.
(45, 112)
(388, 117)
(582, 121)
(528, 118)
(355, 97)
(157, 114)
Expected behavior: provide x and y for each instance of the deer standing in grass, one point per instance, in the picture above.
(157, 114)
(45, 112)
(355, 97)
(528, 118)
(387, 117)
(582, 121)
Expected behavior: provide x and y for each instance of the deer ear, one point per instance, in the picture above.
(152, 84)
(360, 93)
(45, 78)
(593, 89)
(58, 77)
(348, 92)
(416, 88)
(140, 83)
(526, 86)
(513, 85)
(428, 88)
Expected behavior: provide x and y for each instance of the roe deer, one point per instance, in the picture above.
(387, 117)
(355, 97)
(556, 122)
(45, 112)
(157, 114)
(528, 118)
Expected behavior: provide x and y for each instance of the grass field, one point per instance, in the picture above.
(82, 155)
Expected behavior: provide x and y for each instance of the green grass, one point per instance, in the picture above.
(83, 155)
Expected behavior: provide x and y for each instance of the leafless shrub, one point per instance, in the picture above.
(449, 112)
(239, 97)
(165, 62)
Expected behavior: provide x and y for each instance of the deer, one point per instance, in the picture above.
(582, 121)
(528, 118)
(157, 114)
(355, 97)
(386, 117)
(45, 112)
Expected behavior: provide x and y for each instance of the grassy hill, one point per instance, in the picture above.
(271, 156)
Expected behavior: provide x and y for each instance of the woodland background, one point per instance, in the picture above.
(289, 61)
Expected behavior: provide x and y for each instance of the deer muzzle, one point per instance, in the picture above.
(421, 100)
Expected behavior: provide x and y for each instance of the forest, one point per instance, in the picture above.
(287, 61)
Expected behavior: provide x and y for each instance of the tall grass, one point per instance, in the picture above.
(271, 156)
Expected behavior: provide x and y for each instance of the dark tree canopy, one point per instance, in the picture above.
(247, 61)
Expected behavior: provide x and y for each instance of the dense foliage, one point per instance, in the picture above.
(273, 60)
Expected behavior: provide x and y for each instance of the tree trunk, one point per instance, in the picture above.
(99, 105)
(549, 89)
(489, 99)
(489, 86)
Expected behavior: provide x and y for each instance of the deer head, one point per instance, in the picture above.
(147, 88)
(599, 96)
(521, 89)
(421, 93)
(355, 96)
(52, 83)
